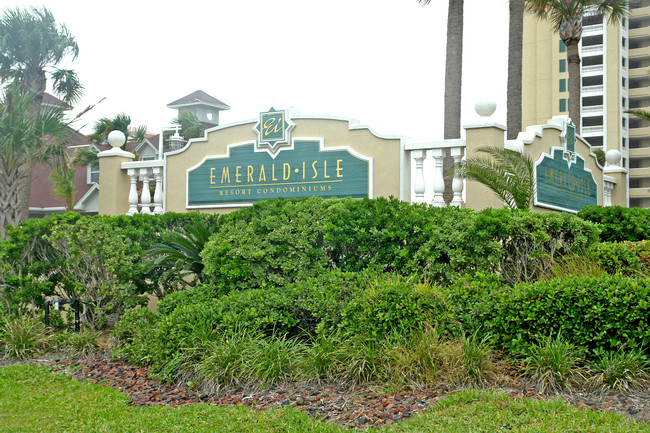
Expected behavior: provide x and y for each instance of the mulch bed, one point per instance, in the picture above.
(360, 407)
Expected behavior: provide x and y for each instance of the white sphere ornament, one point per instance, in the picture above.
(485, 108)
(116, 139)
(613, 157)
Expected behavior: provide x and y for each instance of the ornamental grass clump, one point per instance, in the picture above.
(552, 364)
(23, 337)
(621, 370)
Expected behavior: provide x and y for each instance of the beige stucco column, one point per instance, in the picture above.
(479, 196)
(114, 183)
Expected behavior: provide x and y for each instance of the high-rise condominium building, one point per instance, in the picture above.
(615, 77)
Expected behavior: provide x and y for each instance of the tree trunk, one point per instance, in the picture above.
(573, 64)
(15, 184)
(515, 41)
(454, 69)
(453, 86)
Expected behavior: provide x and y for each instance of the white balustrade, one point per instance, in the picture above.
(145, 172)
(428, 175)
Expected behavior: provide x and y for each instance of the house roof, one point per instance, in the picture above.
(198, 97)
(54, 101)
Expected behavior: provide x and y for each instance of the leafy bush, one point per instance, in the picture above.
(618, 258)
(532, 241)
(618, 223)
(598, 314)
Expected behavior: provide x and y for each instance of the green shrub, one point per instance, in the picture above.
(552, 363)
(617, 258)
(532, 241)
(618, 223)
(598, 314)
(623, 370)
(134, 336)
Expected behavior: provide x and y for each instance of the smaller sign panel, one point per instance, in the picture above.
(564, 183)
(246, 175)
(273, 130)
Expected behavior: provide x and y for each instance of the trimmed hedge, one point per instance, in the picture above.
(597, 314)
(618, 223)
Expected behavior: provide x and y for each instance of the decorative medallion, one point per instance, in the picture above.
(568, 139)
(273, 131)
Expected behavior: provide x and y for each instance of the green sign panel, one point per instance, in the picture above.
(563, 183)
(247, 175)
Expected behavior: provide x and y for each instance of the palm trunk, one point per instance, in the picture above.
(515, 37)
(453, 86)
(454, 69)
(573, 64)
(15, 184)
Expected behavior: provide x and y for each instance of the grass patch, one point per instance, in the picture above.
(32, 399)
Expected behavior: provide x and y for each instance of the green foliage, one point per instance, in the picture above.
(178, 258)
(531, 242)
(134, 335)
(621, 370)
(507, 173)
(618, 223)
(23, 337)
(597, 314)
(620, 258)
(551, 363)
(82, 343)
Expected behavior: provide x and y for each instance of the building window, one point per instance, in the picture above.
(563, 85)
(623, 143)
(562, 65)
(623, 82)
(562, 105)
(623, 61)
(562, 46)
(623, 42)
(93, 169)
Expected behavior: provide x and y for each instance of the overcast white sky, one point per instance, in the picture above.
(378, 61)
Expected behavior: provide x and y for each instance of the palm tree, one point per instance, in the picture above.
(31, 46)
(26, 138)
(515, 38)
(565, 17)
(509, 174)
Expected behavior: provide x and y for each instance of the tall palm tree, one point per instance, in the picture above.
(31, 47)
(515, 43)
(565, 17)
(509, 174)
(26, 138)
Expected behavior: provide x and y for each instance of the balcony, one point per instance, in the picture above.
(596, 29)
(592, 110)
(588, 71)
(591, 131)
(639, 33)
(640, 132)
(640, 173)
(640, 152)
(592, 90)
(637, 72)
(639, 53)
(592, 50)
(639, 192)
(639, 12)
(640, 92)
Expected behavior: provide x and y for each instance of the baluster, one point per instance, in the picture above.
(157, 194)
(145, 198)
(457, 183)
(133, 192)
(420, 185)
(438, 178)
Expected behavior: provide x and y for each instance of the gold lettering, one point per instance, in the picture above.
(262, 174)
(237, 174)
(286, 171)
(212, 176)
(249, 173)
(303, 169)
(325, 170)
(339, 169)
(273, 172)
(225, 175)
(313, 166)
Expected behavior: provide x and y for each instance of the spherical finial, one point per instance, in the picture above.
(116, 139)
(485, 108)
(613, 157)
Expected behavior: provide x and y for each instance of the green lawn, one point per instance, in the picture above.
(33, 400)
